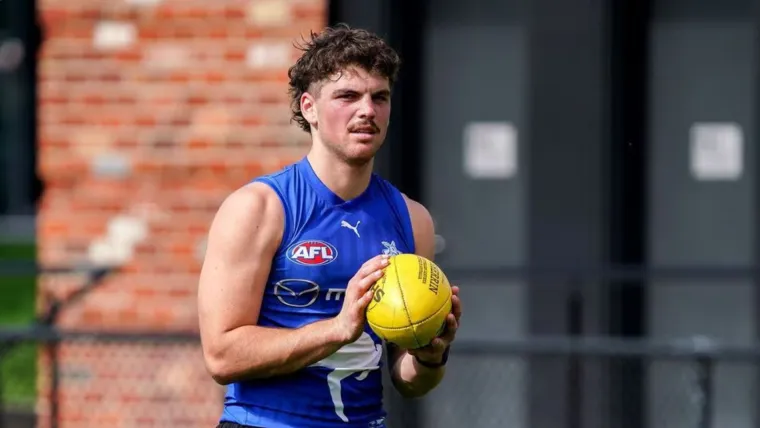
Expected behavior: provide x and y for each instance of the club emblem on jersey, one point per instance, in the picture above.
(312, 253)
(390, 248)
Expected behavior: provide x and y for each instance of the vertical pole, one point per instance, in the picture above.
(2, 400)
(705, 384)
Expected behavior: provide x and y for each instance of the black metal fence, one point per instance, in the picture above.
(601, 382)
(112, 379)
(53, 378)
(136, 379)
(20, 347)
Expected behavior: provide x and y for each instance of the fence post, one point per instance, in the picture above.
(5, 347)
(49, 321)
(2, 401)
(54, 382)
(705, 366)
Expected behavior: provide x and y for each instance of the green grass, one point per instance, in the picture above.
(17, 302)
(19, 251)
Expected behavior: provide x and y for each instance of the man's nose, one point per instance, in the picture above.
(367, 107)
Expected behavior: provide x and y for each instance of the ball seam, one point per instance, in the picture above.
(406, 308)
(410, 322)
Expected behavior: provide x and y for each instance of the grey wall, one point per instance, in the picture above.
(702, 70)
(475, 58)
(520, 62)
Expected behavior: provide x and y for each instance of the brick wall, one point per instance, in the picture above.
(151, 111)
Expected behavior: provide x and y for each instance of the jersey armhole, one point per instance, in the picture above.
(288, 218)
(404, 216)
(406, 222)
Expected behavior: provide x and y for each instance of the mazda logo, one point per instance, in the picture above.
(296, 293)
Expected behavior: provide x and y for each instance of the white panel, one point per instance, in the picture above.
(490, 150)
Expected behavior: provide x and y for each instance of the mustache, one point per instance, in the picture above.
(364, 126)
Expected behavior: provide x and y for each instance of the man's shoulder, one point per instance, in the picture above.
(416, 209)
(251, 194)
(283, 182)
(253, 201)
(423, 227)
(249, 222)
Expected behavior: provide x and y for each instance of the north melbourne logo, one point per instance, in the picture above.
(390, 248)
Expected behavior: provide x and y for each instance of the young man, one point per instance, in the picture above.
(291, 258)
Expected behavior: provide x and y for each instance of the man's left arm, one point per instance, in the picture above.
(416, 372)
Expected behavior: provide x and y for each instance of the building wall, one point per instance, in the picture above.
(150, 113)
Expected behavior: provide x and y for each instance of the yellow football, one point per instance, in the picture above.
(410, 302)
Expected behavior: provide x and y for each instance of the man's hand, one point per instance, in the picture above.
(352, 317)
(433, 353)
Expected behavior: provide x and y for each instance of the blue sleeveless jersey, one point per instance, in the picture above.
(325, 242)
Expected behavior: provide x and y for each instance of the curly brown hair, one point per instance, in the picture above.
(332, 50)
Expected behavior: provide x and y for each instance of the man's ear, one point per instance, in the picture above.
(309, 108)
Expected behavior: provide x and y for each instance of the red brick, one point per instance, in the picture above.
(193, 121)
(92, 317)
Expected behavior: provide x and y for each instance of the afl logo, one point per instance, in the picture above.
(312, 253)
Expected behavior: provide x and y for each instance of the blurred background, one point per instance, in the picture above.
(589, 165)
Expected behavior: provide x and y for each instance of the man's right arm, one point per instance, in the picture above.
(242, 241)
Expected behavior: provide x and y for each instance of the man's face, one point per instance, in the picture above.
(349, 114)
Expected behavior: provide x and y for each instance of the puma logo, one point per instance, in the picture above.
(347, 225)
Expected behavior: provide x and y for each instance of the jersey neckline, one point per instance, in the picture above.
(324, 192)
